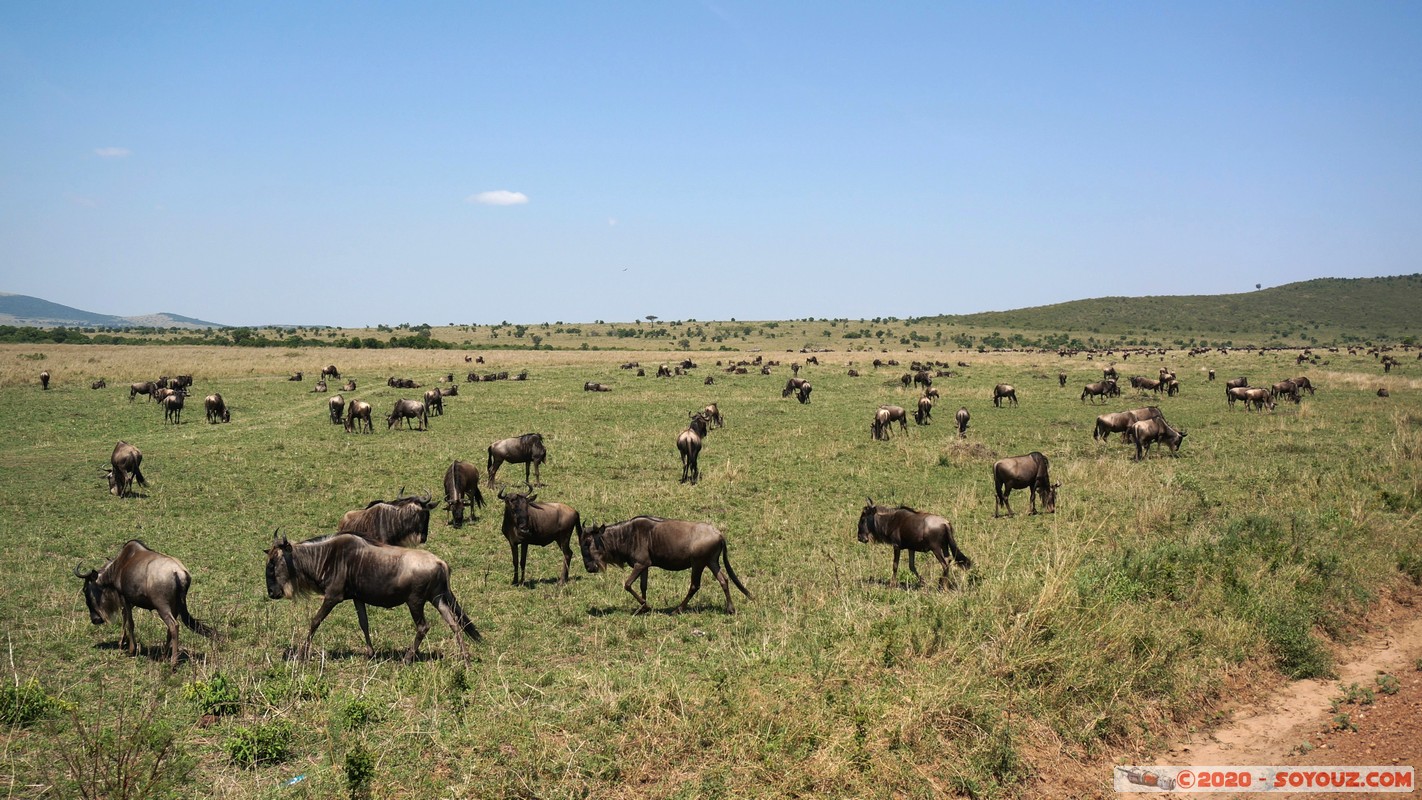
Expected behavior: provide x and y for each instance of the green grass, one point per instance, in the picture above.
(1095, 631)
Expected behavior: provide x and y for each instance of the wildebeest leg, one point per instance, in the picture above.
(720, 576)
(127, 639)
(1032, 498)
(422, 627)
(567, 559)
(639, 571)
(446, 611)
(172, 623)
(896, 566)
(523, 562)
(364, 628)
(1002, 492)
(327, 603)
(695, 585)
(913, 568)
(938, 553)
(513, 554)
(494, 463)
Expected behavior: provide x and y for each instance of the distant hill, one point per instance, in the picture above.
(19, 309)
(1326, 308)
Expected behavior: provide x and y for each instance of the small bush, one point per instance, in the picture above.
(218, 696)
(263, 743)
(122, 755)
(1388, 684)
(360, 770)
(358, 713)
(26, 702)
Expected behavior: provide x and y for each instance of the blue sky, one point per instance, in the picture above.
(362, 163)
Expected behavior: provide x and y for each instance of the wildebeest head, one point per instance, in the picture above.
(590, 543)
(280, 570)
(1049, 497)
(866, 522)
(102, 601)
(516, 510)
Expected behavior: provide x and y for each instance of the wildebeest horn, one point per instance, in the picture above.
(78, 574)
(501, 493)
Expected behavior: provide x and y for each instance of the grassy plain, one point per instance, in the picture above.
(1078, 639)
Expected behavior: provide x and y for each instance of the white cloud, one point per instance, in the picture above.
(499, 197)
(112, 152)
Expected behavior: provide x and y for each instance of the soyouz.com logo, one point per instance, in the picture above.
(1264, 779)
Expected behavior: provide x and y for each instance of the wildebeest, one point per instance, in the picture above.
(181, 382)
(349, 386)
(800, 387)
(526, 450)
(402, 522)
(1101, 389)
(1061, 379)
(1287, 389)
(139, 577)
(1001, 391)
(529, 522)
(688, 444)
(357, 412)
(461, 481)
(434, 402)
(1304, 384)
(319, 386)
(99, 384)
(336, 406)
(1383, 392)
(173, 408)
(1144, 432)
(1212, 374)
(125, 466)
(143, 387)
(1236, 383)
(1258, 400)
(1145, 384)
(44, 380)
(330, 372)
(962, 418)
(406, 410)
(295, 376)
(1234, 393)
(216, 409)
(1024, 472)
(905, 529)
(1120, 422)
(448, 391)
(596, 387)
(884, 418)
(345, 567)
(671, 544)
(712, 413)
(924, 412)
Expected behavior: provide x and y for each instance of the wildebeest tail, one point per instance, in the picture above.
(138, 473)
(726, 558)
(959, 557)
(465, 624)
(478, 498)
(181, 610)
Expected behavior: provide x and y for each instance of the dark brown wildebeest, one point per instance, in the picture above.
(905, 529)
(884, 418)
(1101, 389)
(330, 372)
(712, 413)
(295, 376)
(99, 384)
(181, 382)
(596, 387)
(216, 408)
(349, 385)
(924, 413)
(1304, 384)
(1001, 391)
(1212, 375)
(1110, 372)
(1145, 384)
(1383, 392)
(1061, 379)
(141, 578)
(358, 412)
(527, 450)
(1144, 432)
(125, 466)
(144, 388)
(406, 410)
(664, 371)
(800, 387)
(336, 406)
(1120, 422)
(1287, 389)
(461, 481)
(1024, 472)
(173, 408)
(962, 418)
(529, 522)
(319, 386)
(1236, 383)
(1172, 387)
(345, 567)
(709, 380)
(448, 391)
(44, 380)
(402, 522)
(688, 444)
(854, 373)
(434, 402)
(931, 392)
(923, 378)
(671, 544)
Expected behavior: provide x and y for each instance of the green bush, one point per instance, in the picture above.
(26, 702)
(360, 770)
(218, 696)
(263, 743)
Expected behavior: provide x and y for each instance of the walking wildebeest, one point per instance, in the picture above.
(671, 544)
(905, 529)
(1003, 390)
(99, 384)
(1144, 432)
(1101, 389)
(173, 408)
(962, 418)
(1024, 472)
(141, 578)
(1145, 384)
(406, 410)
(712, 413)
(44, 380)
(345, 567)
(216, 409)
(529, 522)
(357, 412)
(688, 444)
(1212, 375)
(434, 402)
(461, 481)
(394, 522)
(924, 413)
(526, 450)
(1304, 384)
(125, 462)
(1120, 422)
(143, 387)
(336, 406)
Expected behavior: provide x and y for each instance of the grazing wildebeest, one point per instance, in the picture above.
(345, 567)
(406, 410)
(1061, 379)
(1287, 389)
(1003, 390)
(173, 408)
(402, 522)
(526, 450)
(44, 380)
(688, 444)
(1304, 384)
(931, 392)
(330, 372)
(319, 386)
(141, 578)
(1024, 472)
(461, 481)
(905, 529)
(336, 406)
(1120, 422)
(125, 465)
(1144, 432)
(529, 522)
(671, 544)
(596, 387)
(800, 387)
(216, 409)
(434, 402)
(1110, 372)
(1101, 389)
(712, 413)
(1258, 400)
(923, 378)
(358, 412)
(1172, 387)
(884, 418)
(349, 386)
(143, 388)
(962, 418)
(924, 413)
(1236, 383)
(1234, 393)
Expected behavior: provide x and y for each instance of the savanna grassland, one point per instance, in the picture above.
(1081, 638)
